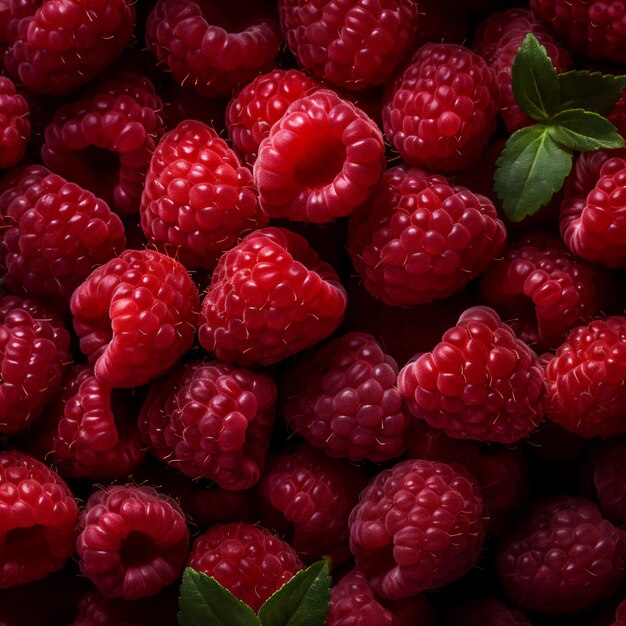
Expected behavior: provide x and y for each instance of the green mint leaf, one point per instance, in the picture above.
(592, 91)
(302, 601)
(535, 81)
(530, 170)
(584, 131)
(204, 601)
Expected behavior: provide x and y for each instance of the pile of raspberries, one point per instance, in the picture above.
(260, 307)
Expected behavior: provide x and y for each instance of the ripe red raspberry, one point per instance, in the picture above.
(38, 517)
(592, 213)
(343, 399)
(104, 142)
(212, 46)
(34, 350)
(562, 557)
(484, 612)
(443, 108)
(480, 382)
(89, 430)
(321, 159)
(353, 44)
(14, 122)
(609, 478)
(212, 420)
(198, 198)
(260, 104)
(54, 234)
(419, 238)
(249, 561)
(56, 45)
(593, 28)
(133, 541)
(311, 497)
(585, 380)
(489, 33)
(135, 317)
(419, 525)
(269, 298)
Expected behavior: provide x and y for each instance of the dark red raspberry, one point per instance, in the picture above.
(352, 44)
(260, 104)
(212, 46)
(443, 108)
(419, 525)
(133, 541)
(198, 198)
(480, 382)
(54, 234)
(489, 33)
(38, 517)
(585, 380)
(321, 159)
(211, 420)
(104, 142)
(55, 45)
(313, 496)
(269, 298)
(419, 238)
(609, 478)
(249, 561)
(620, 614)
(14, 122)
(135, 317)
(593, 225)
(89, 430)
(562, 557)
(484, 612)
(34, 350)
(343, 399)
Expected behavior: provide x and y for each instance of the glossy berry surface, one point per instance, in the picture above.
(14, 124)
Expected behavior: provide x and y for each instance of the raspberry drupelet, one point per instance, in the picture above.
(135, 317)
(249, 561)
(198, 199)
(210, 46)
(353, 44)
(420, 238)
(443, 109)
(14, 124)
(480, 382)
(620, 614)
(484, 612)
(105, 140)
(211, 420)
(38, 519)
(133, 541)
(269, 298)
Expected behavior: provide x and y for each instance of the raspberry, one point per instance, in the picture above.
(56, 45)
(620, 614)
(198, 198)
(260, 104)
(480, 382)
(343, 400)
(54, 234)
(249, 561)
(321, 159)
(489, 33)
(34, 350)
(419, 238)
(315, 496)
(209, 419)
(609, 478)
(593, 28)
(353, 44)
(104, 142)
(592, 221)
(211, 46)
(585, 380)
(484, 612)
(38, 517)
(443, 108)
(89, 430)
(14, 123)
(419, 525)
(133, 541)
(562, 557)
(269, 298)
(135, 317)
